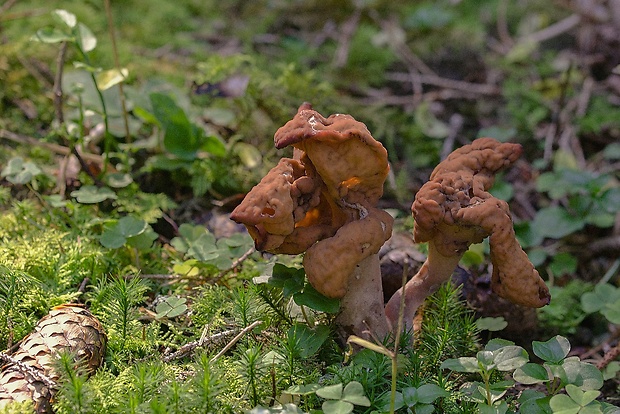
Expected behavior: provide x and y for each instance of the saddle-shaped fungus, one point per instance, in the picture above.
(323, 201)
(453, 210)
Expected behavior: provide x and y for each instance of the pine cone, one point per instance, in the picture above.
(30, 374)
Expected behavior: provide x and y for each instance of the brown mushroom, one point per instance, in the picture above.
(324, 202)
(452, 211)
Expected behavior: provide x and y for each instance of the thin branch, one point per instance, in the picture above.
(502, 24)
(553, 30)
(57, 90)
(234, 340)
(190, 347)
(236, 263)
(58, 149)
(475, 88)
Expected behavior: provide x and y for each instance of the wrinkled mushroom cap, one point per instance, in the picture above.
(351, 163)
(454, 209)
(330, 262)
(285, 213)
(323, 201)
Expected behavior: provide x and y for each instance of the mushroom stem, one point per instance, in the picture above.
(436, 270)
(364, 297)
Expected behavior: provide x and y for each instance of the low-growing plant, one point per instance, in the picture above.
(557, 372)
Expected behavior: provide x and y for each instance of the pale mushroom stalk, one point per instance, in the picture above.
(436, 270)
(365, 290)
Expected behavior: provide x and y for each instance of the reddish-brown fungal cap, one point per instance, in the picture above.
(454, 209)
(351, 163)
(324, 200)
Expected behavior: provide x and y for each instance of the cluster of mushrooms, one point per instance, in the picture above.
(323, 201)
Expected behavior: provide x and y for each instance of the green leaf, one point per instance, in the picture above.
(65, 17)
(52, 35)
(497, 343)
(306, 340)
(337, 407)
(611, 311)
(108, 78)
(582, 374)
(510, 357)
(90, 194)
(112, 238)
(424, 409)
(582, 398)
(531, 373)
(311, 298)
(249, 155)
(303, 389)
(563, 404)
(19, 172)
(85, 38)
(612, 151)
(554, 350)
(428, 393)
(486, 359)
(491, 324)
(462, 364)
(118, 180)
(563, 264)
(214, 146)
(502, 408)
(532, 402)
(556, 222)
(330, 392)
(429, 123)
(181, 137)
(130, 226)
(354, 393)
(204, 248)
(409, 397)
(126, 228)
(171, 307)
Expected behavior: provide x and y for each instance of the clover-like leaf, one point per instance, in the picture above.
(65, 17)
(18, 171)
(51, 35)
(582, 374)
(306, 340)
(171, 307)
(531, 373)
(331, 392)
(554, 350)
(354, 393)
(311, 298)
(510, 357)
(491, 324)
(428, 393)
(108, 78)
(85, 38)
(90, 194)
(462, 364)
(603, 295)
(337, 407)
(126, 228)
(303, 389)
